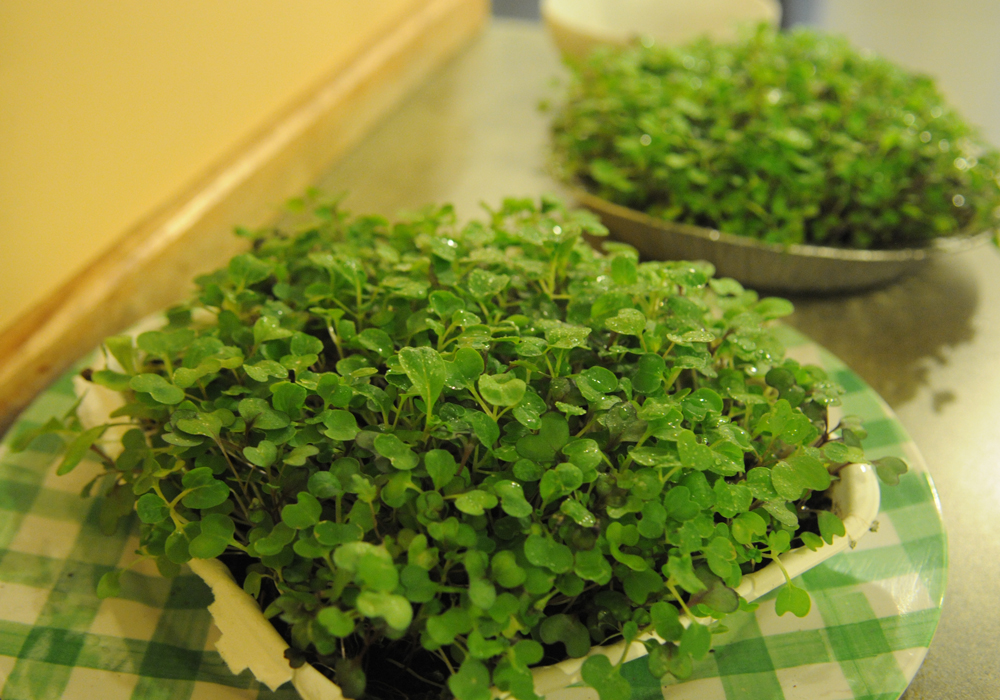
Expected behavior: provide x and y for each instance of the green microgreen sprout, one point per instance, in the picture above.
(786, 137)
(468, 450)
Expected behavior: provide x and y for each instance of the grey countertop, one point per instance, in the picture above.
(929, 345)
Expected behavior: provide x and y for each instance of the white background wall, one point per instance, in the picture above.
(956, 41)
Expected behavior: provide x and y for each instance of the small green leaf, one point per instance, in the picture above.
(483, 284)
(512, 498)
(600, 379)
(553, 434)
(467, 367)
(121, 348)
(830, 526)
(324, 485)
(207, 424)
(445, 627)
(779, 541)
(268, 328)
(581, 516)
(648, 377)
(746, 527)
(680, 569)
(251, 584)
(426, 370)
(333, 391)
(482, 648)
(592, 566)
(214, 537)
(527, 471)
(259, 414)
(792, 476)
(506, 572)
(471, 682)
(624, 270)
(335, 621)
(528, 652)
(794, 600)
(627, 322)
(152, 509)
(696, 641)
(376, 573)
(303, 514)
(159, 388)
(263, 455)
(260, 371)
(889, 469)
(279, 537)
(485, 428)
(566, 336)
(246, 269)
(441, 467)
(568, 630)
(115, 381)
(570, 410)
(811, 540)
(376, 340)
(560, 481)
(666, 621)
(177, 543)
(599, 674)
(501, 389)
(774, 307)
(418, 585)
(700, 403)
(340, 425)
(836, 452)
(628, 535)
(165, 343)
(394, 609)
(584, 453)
(445, 303)
(305, 344)
(719, 597)
(549, 554)
(475, 502)
(79, 448)
(298, 456)
(110, 585)
(288, 398)
(333, 534)
(396, 451)
(206, 491)
(639, 585)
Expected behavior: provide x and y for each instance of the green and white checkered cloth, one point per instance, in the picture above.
(874, 613)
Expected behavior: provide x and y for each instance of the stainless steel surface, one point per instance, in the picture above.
(789, 269)
(930, 344)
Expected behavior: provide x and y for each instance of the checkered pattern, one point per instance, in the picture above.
(875, 607)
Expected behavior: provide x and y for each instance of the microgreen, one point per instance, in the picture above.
(785, 137)
(487, 444)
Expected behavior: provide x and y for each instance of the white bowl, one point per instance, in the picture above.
(578, 26)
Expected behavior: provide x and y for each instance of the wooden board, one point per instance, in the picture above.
(152, 265)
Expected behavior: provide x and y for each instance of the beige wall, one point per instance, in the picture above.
(958, 42)
(109, 107)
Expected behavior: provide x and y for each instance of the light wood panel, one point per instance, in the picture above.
(109, 108)
(151, 267)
